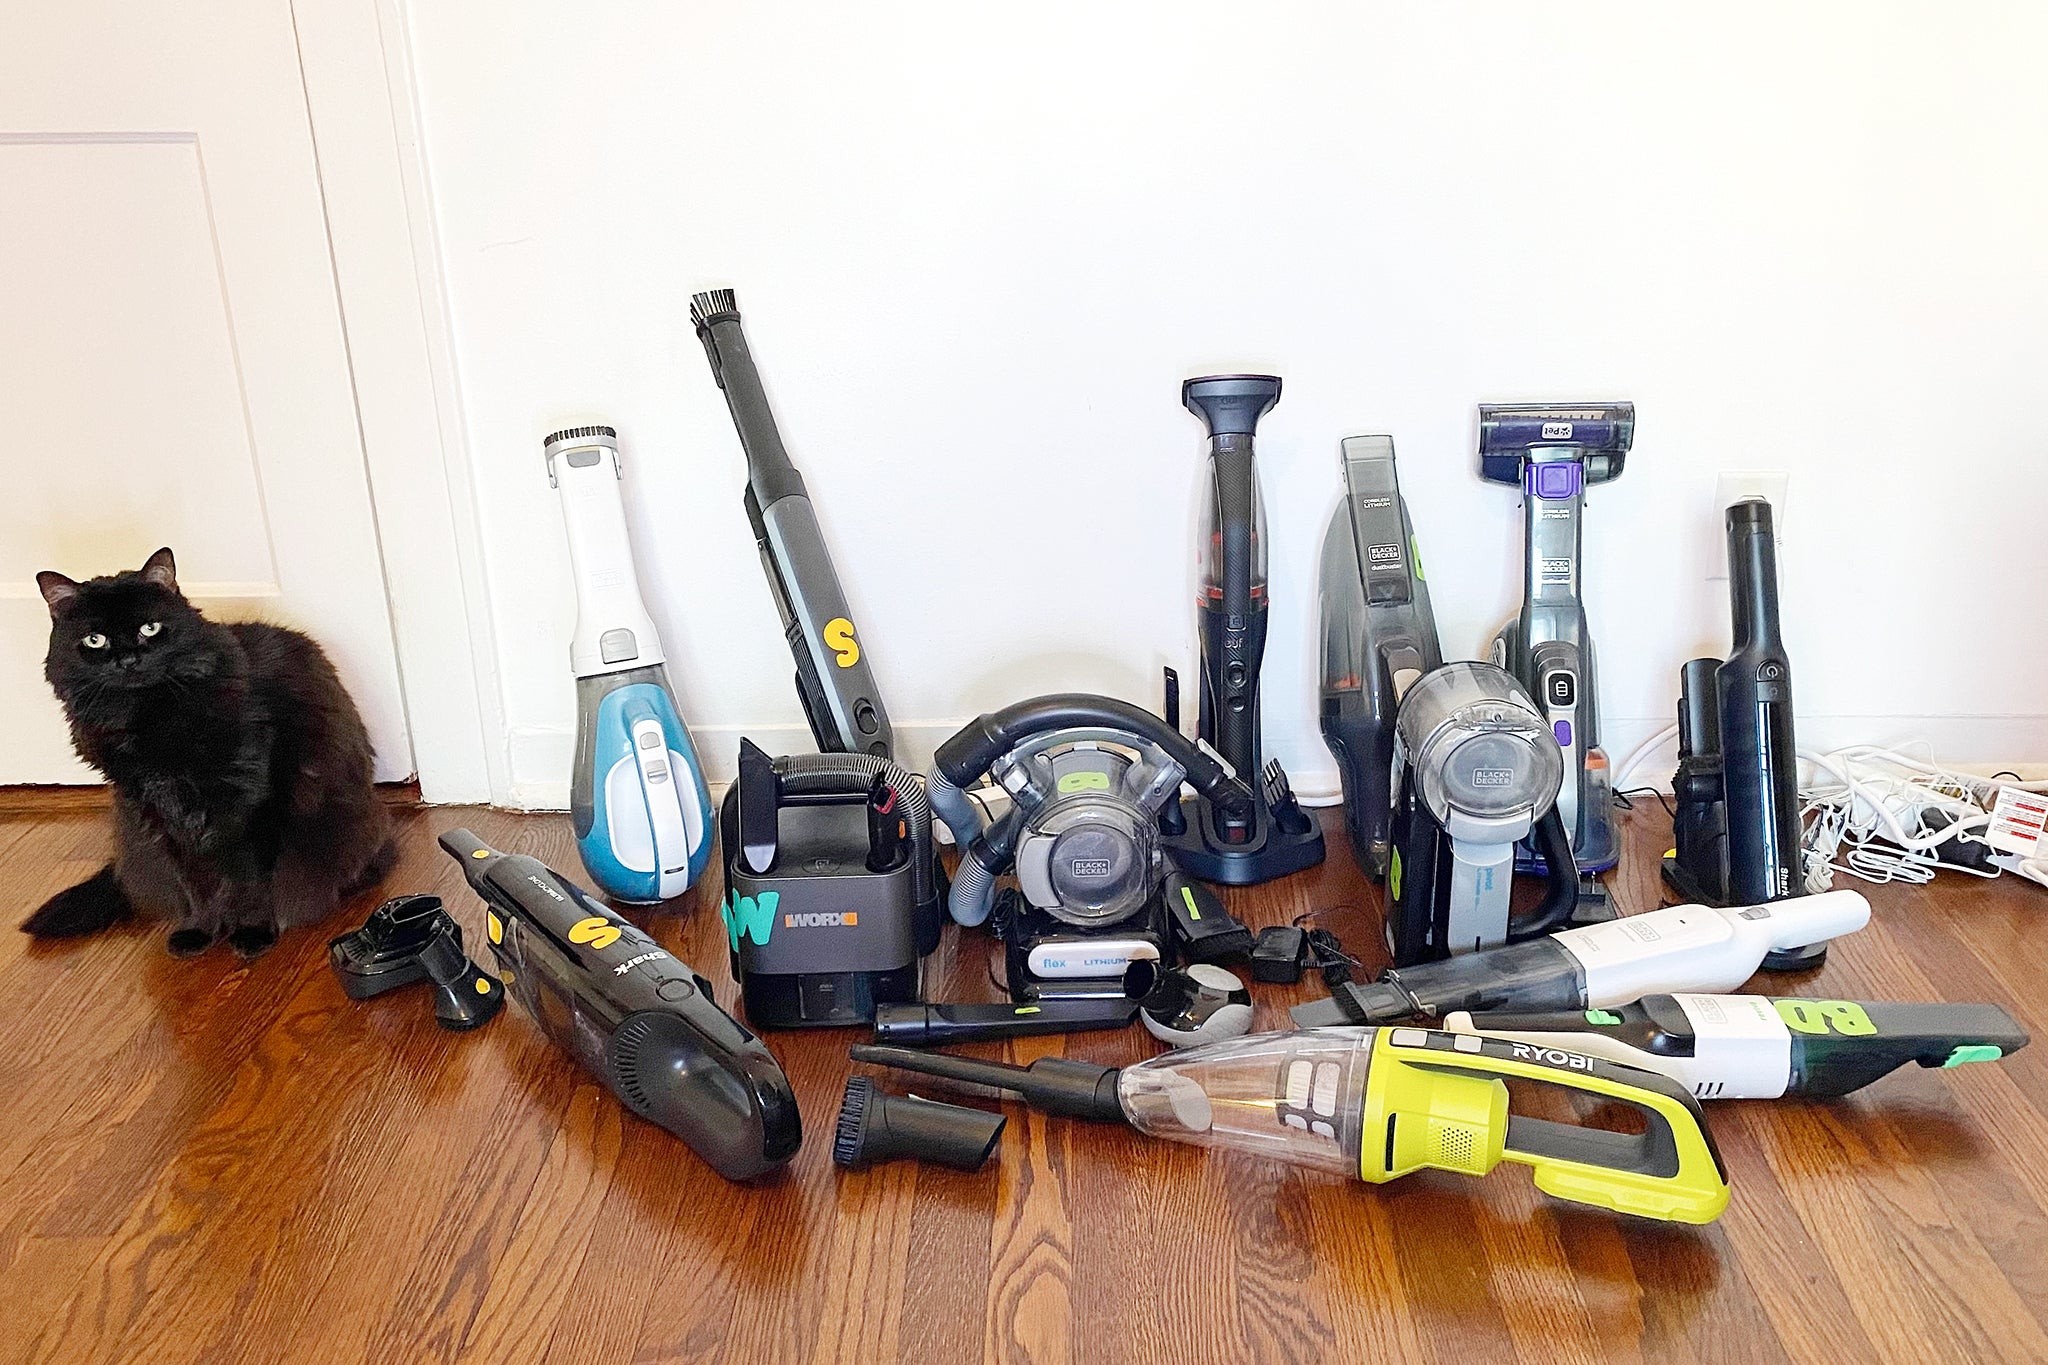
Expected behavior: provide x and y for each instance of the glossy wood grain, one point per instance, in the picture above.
(222, 1161)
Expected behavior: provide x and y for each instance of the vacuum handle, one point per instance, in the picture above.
(1561, 885)
(1671, 1170)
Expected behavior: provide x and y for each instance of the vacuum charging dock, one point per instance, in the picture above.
(1279, 837)
(1553, 454)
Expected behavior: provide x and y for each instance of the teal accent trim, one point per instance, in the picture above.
(749, 917)
(1979, 1052)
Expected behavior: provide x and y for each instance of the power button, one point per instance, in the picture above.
(675, 988)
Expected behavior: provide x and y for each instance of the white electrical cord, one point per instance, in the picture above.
(1871, 812)
(1642, 751)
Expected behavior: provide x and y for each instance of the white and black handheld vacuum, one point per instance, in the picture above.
(642, 815)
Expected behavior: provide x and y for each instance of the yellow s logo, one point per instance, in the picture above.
(597, 931)
(839, 636)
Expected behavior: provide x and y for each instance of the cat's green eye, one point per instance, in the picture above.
(94, 641)
(150, 629)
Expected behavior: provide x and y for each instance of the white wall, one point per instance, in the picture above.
(979, 247)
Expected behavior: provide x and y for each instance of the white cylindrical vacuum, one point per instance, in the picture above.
(642, 815)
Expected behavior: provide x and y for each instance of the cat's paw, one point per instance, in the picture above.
(253, 940)
(187, 942)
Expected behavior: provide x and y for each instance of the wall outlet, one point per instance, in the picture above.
(1732, 486)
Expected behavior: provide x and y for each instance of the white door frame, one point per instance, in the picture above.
(357, 69)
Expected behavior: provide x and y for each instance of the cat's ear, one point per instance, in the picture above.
(57, 590)
(161, 570)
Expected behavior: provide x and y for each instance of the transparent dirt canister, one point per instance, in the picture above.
(1478, 745)
(1294, 1097)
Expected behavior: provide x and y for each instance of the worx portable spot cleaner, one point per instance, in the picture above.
(1383, 1103)
(642, 815)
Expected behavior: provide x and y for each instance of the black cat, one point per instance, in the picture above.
(240, 767)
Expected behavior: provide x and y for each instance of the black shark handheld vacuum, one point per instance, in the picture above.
(636, 1018)
(1737, 831)
(833, 677)
(1275, 836)
(1553, 454)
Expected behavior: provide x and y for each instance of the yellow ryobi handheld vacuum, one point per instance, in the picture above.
(1383, 1103)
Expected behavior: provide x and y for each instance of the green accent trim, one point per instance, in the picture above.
(1975, 1052)
(1187, 898)
(1026, 1009)
(747, 917)
(1415, 555)
(1822, 1017)
(1602, 1017)
(1083, 782)
(1394, 876)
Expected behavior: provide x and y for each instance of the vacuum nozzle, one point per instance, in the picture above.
(874, 1127)
(1595, 435)
(1231, 404)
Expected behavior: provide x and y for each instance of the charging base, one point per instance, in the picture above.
(1273, 850)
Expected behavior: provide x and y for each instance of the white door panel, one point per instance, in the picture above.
(172, 363)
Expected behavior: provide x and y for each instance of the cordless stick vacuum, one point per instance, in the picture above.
(642, 815)
(833, 679)
(1275, 836)
(1553, 454)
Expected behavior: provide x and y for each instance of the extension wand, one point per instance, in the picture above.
(1748, 1047)
(1680, 948)
(833, 679)
(636, 1018)
(1382, 1103)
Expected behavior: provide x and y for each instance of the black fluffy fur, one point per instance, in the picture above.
(240, 766)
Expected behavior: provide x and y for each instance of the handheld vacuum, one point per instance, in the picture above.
(1379, 639)
(1737, 829)
(1378, 1104)
(636, 1018)
(1275, 836)
(1749, 1047)
(642, 815)
(1596, 966)
(833, 678)
(1553, 454)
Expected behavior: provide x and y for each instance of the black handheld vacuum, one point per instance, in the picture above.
(1737, 828)
(1553, 454)
(833, 679)
(1275, 836)
(636, 1018)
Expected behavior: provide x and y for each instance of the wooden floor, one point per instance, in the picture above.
(225, 1162)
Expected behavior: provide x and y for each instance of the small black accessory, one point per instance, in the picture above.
(412, 938)
(938, 1025)
(832, 894)
(1205, 930)
(1052, 1085)
(1203, 1004)
(635, 1017)
(875, 1126)
(1280, 955)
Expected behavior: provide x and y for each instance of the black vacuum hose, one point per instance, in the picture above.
(1561, 896)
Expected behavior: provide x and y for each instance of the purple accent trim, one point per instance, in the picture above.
(1554, 479)
(1563, 730)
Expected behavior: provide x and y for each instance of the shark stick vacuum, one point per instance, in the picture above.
(1553, 454)
(642, 815)
(1275, 836)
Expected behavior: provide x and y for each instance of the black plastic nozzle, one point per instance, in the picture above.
(1056, 1085)
(1231, 404)
(874, 1126)
(917, 1025)
(409, 939)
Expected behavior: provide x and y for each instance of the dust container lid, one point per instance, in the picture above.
(1295, 1097)
(1478, 745)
